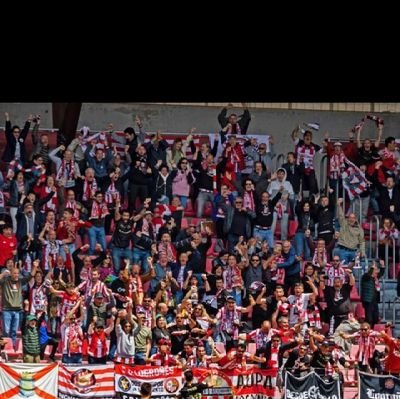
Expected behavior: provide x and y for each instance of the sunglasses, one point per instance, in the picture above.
(238, 203)
(255, 260)
(364, 329)
(262, 148)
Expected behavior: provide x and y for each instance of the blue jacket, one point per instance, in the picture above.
(290, 264)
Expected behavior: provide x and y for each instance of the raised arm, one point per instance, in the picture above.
(380, 134)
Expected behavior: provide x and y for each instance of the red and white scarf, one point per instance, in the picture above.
(66, 170)
(313, 316)
(274, 360)
(88, 189)
(306, 153)
(98, 210)
(227, 322)
(328, 368)
(248, 200)
(112, 194)
(72, 205)
(74, 341)
(366, 347)
(230, 129)
(281, 208)
(337, 165)
(315, 259)
(211, 171)
(169, 250)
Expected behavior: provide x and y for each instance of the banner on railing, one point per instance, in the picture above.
(372, 386)
(238, 383)
(311, 386)
(28, 380)
(166, 382)
(86, 382)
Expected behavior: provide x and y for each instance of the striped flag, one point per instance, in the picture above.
(86, 382)
(354, 180)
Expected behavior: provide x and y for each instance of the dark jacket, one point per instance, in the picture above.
(294, 174)
(290, 263)
(230, 213)
(11, 142)
(243, 122)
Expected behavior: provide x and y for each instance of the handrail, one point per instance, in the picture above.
(323, 172)
(371, 223)
(393, 258)
(360, 207)
(383, 285)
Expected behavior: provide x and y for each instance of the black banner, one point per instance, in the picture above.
(311, 387)
(372, 386)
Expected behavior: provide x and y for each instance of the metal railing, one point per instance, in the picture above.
(323, 172)
(374, 221)
(396, 304)
(353, 208)
(387, 247)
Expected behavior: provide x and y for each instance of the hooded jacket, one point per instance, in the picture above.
(275, 185)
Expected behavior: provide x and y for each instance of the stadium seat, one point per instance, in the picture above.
(354, 296)
(184, 223)
(209, 264)
(359, 312)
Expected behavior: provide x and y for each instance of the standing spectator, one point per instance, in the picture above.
(387, 233)
(121, 237)
(12, 301)
(305, 152)
(305, 212)
(261, 154)
(294, 172)
(41, 145)
(72, 338)
(30, 340)
(325, 216)
(97, 213)
(133, 140)
(67, 169)
(338, 300)
(99, 163)
(97, 349)
(351, 238)
(291, 264)
(237, 223)
(231, 124)
(8, 244)
(178, 150)
(182, 181)
(142, 338)
(15, 140)
(389, 198)
(370, 292)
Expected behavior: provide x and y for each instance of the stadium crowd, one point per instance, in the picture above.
(100, 260)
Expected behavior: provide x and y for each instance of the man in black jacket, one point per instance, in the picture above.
(231, 124)
(389, 200)
(15, 147)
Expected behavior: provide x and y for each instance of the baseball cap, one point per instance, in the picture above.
(337, 143)
(230, 298)
(99, 295)
(31, 317)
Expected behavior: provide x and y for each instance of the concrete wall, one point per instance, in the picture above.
(179, 118)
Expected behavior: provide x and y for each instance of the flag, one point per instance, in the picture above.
(312, 386)
(28, 380)
(313, 125)
(354, 180)
(372, 386)
(86, 381)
